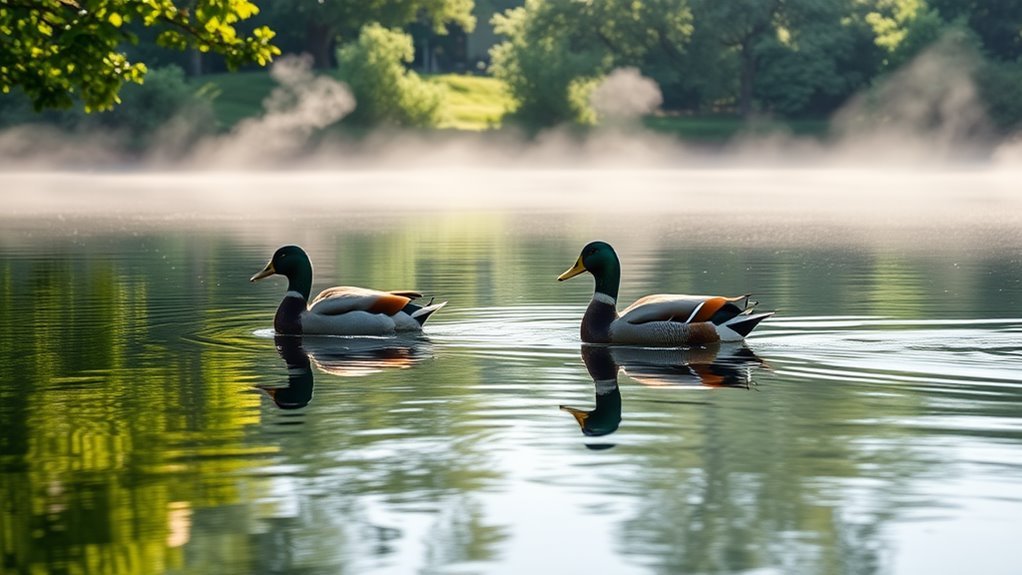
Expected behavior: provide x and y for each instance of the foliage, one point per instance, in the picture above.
(816, 56)
(540, 68)
(903, 28)
(997, 23)
(145, 108)
(790, 58)
(555, 52)
(385, 91)
(318, 25)
(1000, 87)
(55, 48)
(164, 96)
(796, 58)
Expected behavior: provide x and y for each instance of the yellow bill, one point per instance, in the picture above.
(267, 272)
(578, 268)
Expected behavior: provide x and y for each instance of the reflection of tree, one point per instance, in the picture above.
(131, 440)
(108, 436)
(766, 480)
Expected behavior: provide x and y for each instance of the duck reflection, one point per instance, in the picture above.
(606, 417)
(717, 366)
(344, 357)
(298, 392)
(361, 356)
(724, 365)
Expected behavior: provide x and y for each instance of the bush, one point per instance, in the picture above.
(147, 107)
(1000, 88)
(386, 93)
(144, 108)
(548, 77)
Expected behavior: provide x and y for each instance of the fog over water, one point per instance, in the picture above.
(150, 418)
(915, 152)
(926, 115)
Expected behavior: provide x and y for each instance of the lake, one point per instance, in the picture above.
(151, 423)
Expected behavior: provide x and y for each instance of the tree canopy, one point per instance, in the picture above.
(555, 49)
(56, 49)
(791, 58)
(319, 24)
(787, 57)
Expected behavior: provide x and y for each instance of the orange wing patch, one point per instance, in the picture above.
(710, 307)
(388, 304)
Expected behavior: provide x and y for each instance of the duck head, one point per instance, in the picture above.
(292, 263)
(599, 259)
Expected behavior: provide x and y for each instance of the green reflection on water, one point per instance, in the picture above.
(141, 428)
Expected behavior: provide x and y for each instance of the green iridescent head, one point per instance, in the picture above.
(599, 259)
(292, 263)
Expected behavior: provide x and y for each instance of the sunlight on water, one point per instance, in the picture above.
(149, 412)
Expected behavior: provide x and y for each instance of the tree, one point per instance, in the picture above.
(385, 91)
(740, 25)
(818, 54)
(327, 20)
(56, 49)
(998, 23)
(549, 50)
(554, 51)
(903, 28)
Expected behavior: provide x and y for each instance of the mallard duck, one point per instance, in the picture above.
(340, 310)
(662, 320)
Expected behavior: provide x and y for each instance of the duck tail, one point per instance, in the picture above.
(741, 305)
(422, 314)
(741, 325)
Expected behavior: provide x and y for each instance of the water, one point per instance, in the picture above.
(151, 423)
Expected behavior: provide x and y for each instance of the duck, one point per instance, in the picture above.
(341, 310)
(659, 320)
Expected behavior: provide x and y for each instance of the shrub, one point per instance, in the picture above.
(144, 108)
(1000, 89)
(548, 77)
(386, 92)
(147, 107)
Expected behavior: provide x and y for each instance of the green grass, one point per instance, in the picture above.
(473, 102)
(238, 95)
(724, 128)
(477, 103)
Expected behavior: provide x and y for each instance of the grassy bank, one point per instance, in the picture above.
(477, 103)
(473, 102)
(723, 128)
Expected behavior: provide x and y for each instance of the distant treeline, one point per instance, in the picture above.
(784, 58)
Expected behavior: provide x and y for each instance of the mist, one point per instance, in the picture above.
(918, 144)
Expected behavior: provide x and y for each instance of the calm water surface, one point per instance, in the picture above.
(150, 423)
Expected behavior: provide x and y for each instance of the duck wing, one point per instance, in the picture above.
(684, 308)
(344, 299)
(412, 294)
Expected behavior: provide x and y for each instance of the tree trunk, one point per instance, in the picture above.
(318, 42)
(748, 78)
(195, 63)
